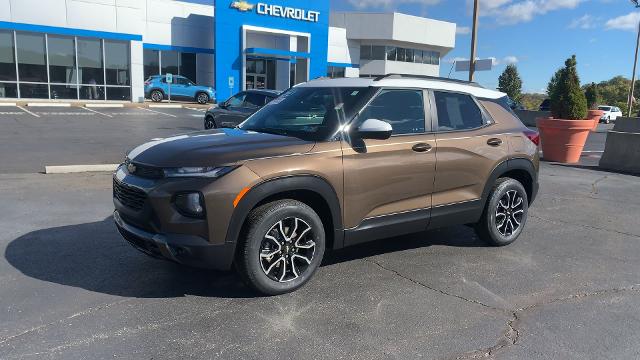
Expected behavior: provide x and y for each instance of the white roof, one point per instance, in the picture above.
(409, 82)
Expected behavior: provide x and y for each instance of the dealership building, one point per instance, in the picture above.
(105, 49)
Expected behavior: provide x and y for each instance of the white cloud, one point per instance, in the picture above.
(388, 4)
(463, 30)
(510, 60)
(584, 22)
(625, 22)
(509, 12)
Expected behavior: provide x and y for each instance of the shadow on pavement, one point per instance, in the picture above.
(93, 256)
(594, 168)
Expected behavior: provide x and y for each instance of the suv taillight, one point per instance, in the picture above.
(534, 136)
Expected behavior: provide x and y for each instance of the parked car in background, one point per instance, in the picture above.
(515, 105)
(611, 113)
(330, 164)
(157, 89)
(546, 105)
(237, 108)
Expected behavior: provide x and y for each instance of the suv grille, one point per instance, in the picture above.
(148, 172)
(129, 196)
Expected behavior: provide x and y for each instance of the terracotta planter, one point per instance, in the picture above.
(595, 115)
(563, 140)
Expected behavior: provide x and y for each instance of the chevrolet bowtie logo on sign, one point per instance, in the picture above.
(242, 5)
(277, 11)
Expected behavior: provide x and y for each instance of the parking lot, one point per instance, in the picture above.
(71, 288)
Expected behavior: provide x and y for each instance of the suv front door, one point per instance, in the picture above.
(469, 148)
(389, 182)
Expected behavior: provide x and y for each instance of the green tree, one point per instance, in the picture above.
(592, 95)
(510, 82)
(567, 98)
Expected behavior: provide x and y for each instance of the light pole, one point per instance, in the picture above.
(474, 41)
(635, 64)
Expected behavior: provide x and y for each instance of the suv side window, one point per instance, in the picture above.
(236, 100)
(254, 101)
(457, 112)
(402, 109)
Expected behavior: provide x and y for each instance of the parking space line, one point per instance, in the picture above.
(157, 112)
(97, 112)
(27, 111)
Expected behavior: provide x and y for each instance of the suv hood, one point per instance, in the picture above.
(216, 147)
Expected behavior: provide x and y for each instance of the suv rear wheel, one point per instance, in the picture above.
(202, 98)
(282, 247)
(505, 213)
(157, 96)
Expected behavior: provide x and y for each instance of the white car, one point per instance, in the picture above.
(611, 113)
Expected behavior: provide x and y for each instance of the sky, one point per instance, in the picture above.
(536, 35)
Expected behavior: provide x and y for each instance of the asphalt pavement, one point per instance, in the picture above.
(70, 288)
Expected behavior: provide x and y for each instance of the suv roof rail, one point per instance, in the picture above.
(425, 77)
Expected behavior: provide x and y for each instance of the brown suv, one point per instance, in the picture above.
(329, 164)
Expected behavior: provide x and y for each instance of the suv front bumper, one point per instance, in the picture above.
(184, 249)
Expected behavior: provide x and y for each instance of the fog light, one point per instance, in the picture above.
(190, 204)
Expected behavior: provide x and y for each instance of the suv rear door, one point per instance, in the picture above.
(388, 183)
(469, 147)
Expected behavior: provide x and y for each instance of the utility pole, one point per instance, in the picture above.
(474, 40)
(635, 64)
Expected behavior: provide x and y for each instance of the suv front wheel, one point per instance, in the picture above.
(282, 247)
(505, 213)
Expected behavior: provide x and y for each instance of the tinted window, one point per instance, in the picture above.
(62, 59)
(182, 81)
(236, 100)
(457, 112)
(151, 59)
(378, 52)
(7, 57)
(254, 101)
(365, 52)
(170, 62)
(90, 62)
(403, 109)
(117, 62)
(32, 62)
(391, 53)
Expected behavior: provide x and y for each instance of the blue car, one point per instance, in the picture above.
(157, 89)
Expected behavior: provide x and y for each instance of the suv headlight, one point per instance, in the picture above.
(198, 172)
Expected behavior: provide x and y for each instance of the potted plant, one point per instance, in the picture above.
(591, 93)
(565, 132)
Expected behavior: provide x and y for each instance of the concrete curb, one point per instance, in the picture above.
(165, 106)
(104, 106)
(73, 169)
(34, 104)
(622, 149)
(8, 104)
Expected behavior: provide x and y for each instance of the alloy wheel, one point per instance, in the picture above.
(156, 96)
(287, 250)
(203, 98)
(509, 213)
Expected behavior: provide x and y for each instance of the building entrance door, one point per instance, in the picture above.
(259, 74)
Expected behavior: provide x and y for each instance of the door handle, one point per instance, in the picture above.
(494, 142)
(421, 147)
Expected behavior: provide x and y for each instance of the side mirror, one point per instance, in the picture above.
(374, 129)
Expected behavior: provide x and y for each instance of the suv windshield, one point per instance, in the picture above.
(309, 113)
(605, 108)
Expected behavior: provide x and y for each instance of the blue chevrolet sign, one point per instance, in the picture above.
(276, 19)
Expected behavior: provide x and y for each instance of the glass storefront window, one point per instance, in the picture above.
(391, 53)
(34, 91)
(116, 55)
(417, 56)
(92, 92)
(408, 55)
(62, 59)
(32, 60)
(151, 60)
(365, 52)
(119, 93)
(188, 66)
(65, 92)
(7, 57)
(8, 90)
(90, 62)
(378, 52)
(170, 62)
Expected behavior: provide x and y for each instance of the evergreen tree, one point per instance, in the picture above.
(510, 83)
(592, 95)
(567, 98)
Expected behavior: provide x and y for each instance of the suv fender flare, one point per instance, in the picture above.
(510, 165)
(280, 185)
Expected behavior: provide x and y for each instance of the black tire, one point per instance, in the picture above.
(210, 123)
(254, 245)
(490, 228)
(202, 98)
(607, 121)
(157, 96)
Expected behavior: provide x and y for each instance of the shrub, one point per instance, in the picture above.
(567, 98)
(592, 95)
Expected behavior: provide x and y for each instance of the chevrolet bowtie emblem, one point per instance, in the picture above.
(242, 5)
(131, 168)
